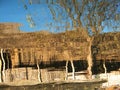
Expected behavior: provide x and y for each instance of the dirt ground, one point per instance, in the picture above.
(111, 88)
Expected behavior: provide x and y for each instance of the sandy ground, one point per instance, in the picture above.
(28, 82)
(111, 88)
(21, 82)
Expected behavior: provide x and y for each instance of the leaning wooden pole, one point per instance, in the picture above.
(104, 66)
(73, 70)
(39, 73)
(66, 74)
(0, 70)
(3, 72)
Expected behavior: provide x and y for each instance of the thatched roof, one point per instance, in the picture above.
(107, 46)
(70, 45)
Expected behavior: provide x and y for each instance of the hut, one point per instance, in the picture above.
(49, 51)
(43, 48)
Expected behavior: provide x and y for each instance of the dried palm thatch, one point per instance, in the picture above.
(70, 45)
(107, 46)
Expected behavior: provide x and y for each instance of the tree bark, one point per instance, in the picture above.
(89, 58)
(66, 77)
(73, 70)
(3, 72)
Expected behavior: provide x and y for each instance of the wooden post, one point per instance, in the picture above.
(73, 70)
(0, 70)
(104, 66)
(66, 77)
(39, 73)
(3, 73)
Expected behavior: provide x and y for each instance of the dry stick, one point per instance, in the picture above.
(3, 65)
(66, 77)
(73, 69)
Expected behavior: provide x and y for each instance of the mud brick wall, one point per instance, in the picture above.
(28, 73)
(17, 74)
(48, 76)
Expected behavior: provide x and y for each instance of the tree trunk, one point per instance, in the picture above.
(3, 64)
(89, 58)
(39, 73)
(73, 70)
(104, 67)
(0, 70)
(66, 77)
